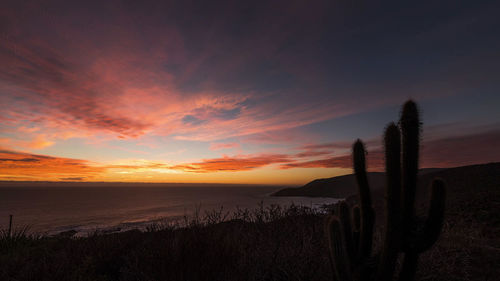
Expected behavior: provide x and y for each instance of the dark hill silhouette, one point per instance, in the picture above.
(336, 187)
(473, 188)
(464, 185)
(341, 186)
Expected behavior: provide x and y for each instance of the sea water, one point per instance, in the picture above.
(50, 208)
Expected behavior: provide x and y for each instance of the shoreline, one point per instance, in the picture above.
(179, 221)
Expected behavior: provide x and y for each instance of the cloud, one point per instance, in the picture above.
(19, 160)
(41, 167)
(119, 79)
(375, 162)
(332, 145)
(313, 153)
(28, 129)
(192, 120)
(462, 150)
(38, 142)
(445, 152)
(340, 145)
(46, 85)
(219, 146)
(61, 93)
(233, 164)
(209, 72)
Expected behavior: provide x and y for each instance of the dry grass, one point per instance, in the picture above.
(271, 243)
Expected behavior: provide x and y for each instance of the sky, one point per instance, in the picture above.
(258, 92)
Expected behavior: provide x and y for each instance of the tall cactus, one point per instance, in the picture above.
(350, 237)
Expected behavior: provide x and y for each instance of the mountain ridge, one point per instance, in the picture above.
(345, 186)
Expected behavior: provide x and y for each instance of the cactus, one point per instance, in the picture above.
(350, 233)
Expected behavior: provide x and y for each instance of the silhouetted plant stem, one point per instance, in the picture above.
(393, 207)
(366, 210)
(404, 233)
(10, 226)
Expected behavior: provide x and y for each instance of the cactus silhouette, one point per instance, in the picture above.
(350, 233)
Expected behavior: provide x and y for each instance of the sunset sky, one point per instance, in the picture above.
(268, 92)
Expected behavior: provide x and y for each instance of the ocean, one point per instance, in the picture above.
(50, 208)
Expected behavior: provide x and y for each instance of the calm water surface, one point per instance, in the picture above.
(55, 207)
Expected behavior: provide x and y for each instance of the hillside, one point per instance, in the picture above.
(340, 187)
(336, 187)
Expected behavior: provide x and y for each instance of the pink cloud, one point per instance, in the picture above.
(341, 145)
(124, 87)
(451, 151)
(313, 153)
(375, 162)
(219, 146)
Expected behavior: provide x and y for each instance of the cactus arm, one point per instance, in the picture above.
(345, 220)
(410, 130)
(338, 253)
(366, 210)
(356, 218)
(393, 207)
(356, 225)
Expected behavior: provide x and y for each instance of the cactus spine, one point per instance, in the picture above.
(350, 237)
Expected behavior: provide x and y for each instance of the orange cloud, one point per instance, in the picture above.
(38, 142)
(234, 164)
(447, 152)
(24, 166)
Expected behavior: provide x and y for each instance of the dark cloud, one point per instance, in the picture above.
(462, 150)
(228, 114)
(332, 145)
(438, 153)
(192, 120)
(20, 160)
(313, 153)
(340, 145)
(375, 162)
